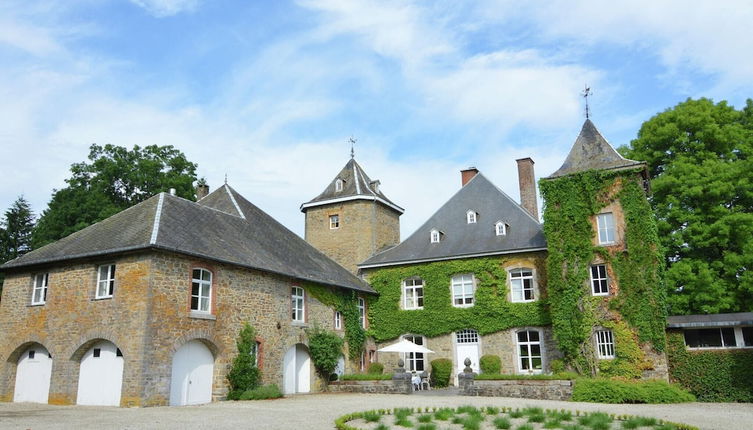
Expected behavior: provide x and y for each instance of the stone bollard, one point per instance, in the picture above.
(465, 379)
(401, 379)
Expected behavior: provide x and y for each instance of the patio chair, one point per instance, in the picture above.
(425, 377)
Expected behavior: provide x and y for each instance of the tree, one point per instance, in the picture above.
(700, 159)
(244, 374)
(15, 233)
(113, 179)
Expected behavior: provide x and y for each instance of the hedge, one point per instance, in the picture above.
(602, 390)
(441, 369)
(366, 377)
(262, 393)
(713, 376)
(490, 363)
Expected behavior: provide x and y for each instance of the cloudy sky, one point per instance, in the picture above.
(268, 92)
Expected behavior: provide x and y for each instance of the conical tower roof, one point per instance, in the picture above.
(355, 184)
(591, 151)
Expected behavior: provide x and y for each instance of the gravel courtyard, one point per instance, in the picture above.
(318, 411)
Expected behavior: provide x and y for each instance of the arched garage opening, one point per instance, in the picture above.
(192, 373)
(100, 378)
(296, 365)
(33, 371)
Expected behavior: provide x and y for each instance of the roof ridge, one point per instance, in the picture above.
(232, 198)
(157, 216)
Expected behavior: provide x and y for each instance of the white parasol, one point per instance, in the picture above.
(405, 346)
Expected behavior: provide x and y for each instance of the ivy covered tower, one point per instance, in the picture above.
(604, 262)
(352, 219)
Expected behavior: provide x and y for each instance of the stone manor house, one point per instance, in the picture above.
(144, 308)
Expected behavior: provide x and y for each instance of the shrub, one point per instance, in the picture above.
(244, 375)
(614, 391)
(261, 393)
(557, 366)
(441, 369)
(490, 363)
(325, 348)
(375, 368)
(495, 377)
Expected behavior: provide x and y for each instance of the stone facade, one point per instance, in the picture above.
(365, 228)
(527, 389)
(148, 319)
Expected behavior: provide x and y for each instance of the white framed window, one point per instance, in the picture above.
(415, 361)
(599, 280)
(105, 281)
(334, 221)
(413, 293)
(338, 320)
(297, 304)
(723, 337)
(362, 312)
(39, 291)
(604, 344)
(605, 226)
(201, 290)
(500, 228)
(434, 236)
(466, 336)
(255, 350)
(471, 216)
(462, 290)
(522, 288)
(338, 185)
(530, 357)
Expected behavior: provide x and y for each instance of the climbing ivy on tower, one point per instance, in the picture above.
(571, 203)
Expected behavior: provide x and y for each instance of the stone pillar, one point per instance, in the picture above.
(202, 190)
(402, 379)
(465, 379)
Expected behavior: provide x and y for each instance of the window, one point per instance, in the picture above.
(462, 290)
(97, 352)
(529, 351)
(362, 312)
(255, 350)
(32, 353)
(297, 304)
(599, 280)
(500, 228)
(710, 337)
(414, 361)
(521, 285)
(471, 217)
(334, 222)
(466, 336)
(39, 294)
(338, 320)
(413, 293)
(105, 281)
(605, 225)
(747, 333)
(435, 236)
(604, 344)
(339, 185)
(201, 290)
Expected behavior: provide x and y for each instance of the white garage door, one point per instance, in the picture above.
(33, 376)
(191, 381)
(100, 378)
(296, 367)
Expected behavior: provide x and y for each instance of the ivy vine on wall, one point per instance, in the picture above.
(347, 303)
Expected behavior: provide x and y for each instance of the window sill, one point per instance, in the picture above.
(299, 324)
(523, 301)
(600, 294)
(96, 299)
(202, 315)
(34, 305)
(414, 309)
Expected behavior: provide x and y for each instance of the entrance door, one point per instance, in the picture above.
(193, 369)
(100, 378)
(296, 367)
(466, 346)
(33, 375)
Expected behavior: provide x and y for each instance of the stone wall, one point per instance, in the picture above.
(371, 387)
(528, 389)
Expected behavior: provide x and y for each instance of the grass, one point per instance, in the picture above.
(502, 423)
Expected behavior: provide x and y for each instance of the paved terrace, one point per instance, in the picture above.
(318, 411)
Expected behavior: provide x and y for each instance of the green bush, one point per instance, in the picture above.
(557, 366)
(261, 393)
(490, 363)
(441, 370)
(375, 368)
(366, 377)
(713, 376)
(325, 348)
(614, 391)
(244, 375)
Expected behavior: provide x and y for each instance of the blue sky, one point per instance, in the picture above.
(268, 92)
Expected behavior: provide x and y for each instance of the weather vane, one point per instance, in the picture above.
(352, 141)
(225, 178)
(587, 92)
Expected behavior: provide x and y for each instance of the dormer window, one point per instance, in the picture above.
(500, 228)
(471, 216)
(435, 236)
(375, 185)
(338, 185)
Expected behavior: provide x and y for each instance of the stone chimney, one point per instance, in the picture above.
(527, 182)
(202, 190)
(468, 174)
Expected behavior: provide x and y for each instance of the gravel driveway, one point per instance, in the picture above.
(318, 411)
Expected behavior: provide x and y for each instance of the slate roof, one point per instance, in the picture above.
(356, 186)
(592, 151)
(460, 239)
(222, 226)
(712, 320)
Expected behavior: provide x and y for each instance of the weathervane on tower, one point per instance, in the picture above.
(587, 92)
(352, 141)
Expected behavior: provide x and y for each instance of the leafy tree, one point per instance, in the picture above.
(700, 159)
(113, 179)
(244, 375)
(326, 348)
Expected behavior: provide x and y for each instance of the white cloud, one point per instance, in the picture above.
(164, 8)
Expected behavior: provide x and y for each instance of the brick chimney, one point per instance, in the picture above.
(468, 174)
(202, 190)
(527, 182)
